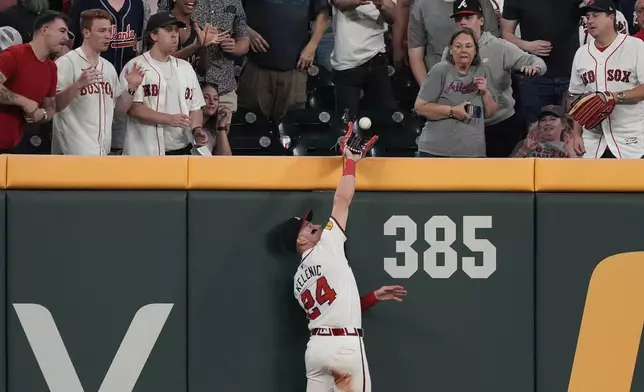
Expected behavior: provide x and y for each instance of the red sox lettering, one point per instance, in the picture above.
(612, 75)
(98, 88)
(150, 90)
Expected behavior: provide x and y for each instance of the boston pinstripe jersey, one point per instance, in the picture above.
(85, 126)
(619, 67)
(127, 27)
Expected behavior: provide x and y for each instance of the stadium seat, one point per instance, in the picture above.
(312, 132)
(397, 133)
(252, 134)
(35, 140)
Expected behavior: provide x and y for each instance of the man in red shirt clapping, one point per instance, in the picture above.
(28, 78)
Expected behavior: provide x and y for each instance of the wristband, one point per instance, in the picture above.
(368, 301)
(349, 168)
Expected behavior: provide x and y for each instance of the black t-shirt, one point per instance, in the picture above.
(284, 24)
(20, 19)
(556, 21)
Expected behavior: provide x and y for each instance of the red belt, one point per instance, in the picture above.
(337, 332)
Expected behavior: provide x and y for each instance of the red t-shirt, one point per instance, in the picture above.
(29, 77)
(639, 34)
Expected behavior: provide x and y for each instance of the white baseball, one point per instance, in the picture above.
(364, 123)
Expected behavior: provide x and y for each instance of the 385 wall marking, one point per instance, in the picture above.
(440, 246)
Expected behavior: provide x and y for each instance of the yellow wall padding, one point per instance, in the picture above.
(373, 174)
(323, 173)
(109, 172)
(589, 175)
(3, 171)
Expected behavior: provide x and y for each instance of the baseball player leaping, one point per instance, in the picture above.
(607, 87)
(89, 91)
(326, 289)
(166, 114)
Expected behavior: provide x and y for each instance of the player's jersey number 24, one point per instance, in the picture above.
(312, 300)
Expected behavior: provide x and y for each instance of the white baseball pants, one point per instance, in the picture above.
(336, 364)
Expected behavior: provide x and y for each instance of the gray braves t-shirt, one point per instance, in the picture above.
(445, 85)
(544, 150)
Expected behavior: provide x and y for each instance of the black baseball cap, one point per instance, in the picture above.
(607, 6)
(291, 230)
(163, 19)
(467, 7)
(552, 110)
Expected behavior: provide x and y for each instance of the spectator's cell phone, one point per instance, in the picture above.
(474, 111)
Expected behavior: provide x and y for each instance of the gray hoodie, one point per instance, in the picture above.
(503, 57)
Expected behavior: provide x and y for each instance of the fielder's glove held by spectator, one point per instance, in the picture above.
(355, 143)
(592, 108)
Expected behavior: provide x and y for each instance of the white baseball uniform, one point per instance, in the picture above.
(619, 67)
(326, 289)
(84, 127)
(171, 87)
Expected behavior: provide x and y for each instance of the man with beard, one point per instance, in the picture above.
(28, 78)
(89, 91)
(166, 116)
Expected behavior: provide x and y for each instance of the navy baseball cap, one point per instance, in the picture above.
(467, 7)
(552, 110)
(163, 19)
(291, 230)
(607, 6)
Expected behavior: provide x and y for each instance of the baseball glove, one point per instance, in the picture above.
(355, 143)
(591, 109)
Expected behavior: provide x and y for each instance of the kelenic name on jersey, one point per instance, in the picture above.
(311, 272)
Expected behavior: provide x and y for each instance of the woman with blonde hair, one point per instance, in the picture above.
(549, 137)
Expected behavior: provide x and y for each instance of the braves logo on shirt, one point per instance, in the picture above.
(463, 88)
(123, 39)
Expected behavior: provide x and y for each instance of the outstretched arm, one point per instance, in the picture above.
(346, 189)
(385, 293)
